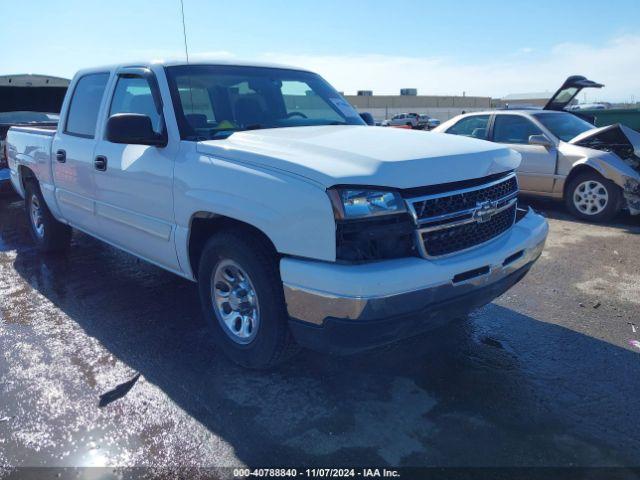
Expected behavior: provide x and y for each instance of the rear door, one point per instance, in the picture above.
(536, 172)
(134, 203)
(475, 126)
(72, 151)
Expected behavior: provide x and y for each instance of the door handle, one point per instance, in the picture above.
(61, 156)
(100, 163)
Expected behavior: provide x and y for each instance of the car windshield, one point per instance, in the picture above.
(213, 101)
(565, 126)
(27, 117)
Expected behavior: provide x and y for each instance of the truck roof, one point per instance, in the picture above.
(171, 63)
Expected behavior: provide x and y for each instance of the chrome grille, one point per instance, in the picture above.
(454, 221)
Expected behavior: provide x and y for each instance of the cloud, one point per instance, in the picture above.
(616, 64)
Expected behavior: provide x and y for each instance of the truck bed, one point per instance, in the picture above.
(47, 130)
(32, 147)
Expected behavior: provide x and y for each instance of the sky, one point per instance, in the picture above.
(487, 48)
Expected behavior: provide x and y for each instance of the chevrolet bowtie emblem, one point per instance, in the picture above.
(484, 211)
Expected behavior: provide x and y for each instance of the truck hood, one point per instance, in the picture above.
(616, 138)
(362, 155)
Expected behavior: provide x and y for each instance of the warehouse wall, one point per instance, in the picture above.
(441, 107)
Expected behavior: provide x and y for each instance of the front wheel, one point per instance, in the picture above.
(591, 197)
(243, 300)
(49, 234)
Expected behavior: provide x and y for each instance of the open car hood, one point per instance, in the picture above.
(616, 138)
(571, 87)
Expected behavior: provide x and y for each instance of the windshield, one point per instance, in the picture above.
(27, 117)
(565, 126)
(212, 101)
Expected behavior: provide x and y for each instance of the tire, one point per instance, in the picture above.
(264, 341)
(591, 197)
(49, 234)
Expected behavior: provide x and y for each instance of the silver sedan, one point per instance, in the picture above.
(595, 170)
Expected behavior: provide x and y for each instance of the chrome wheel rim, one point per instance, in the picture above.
(37, 220)
(235, 301)
(590, 197)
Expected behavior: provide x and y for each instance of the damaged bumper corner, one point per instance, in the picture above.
(631, 192)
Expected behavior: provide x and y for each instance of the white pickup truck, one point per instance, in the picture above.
(301, 225)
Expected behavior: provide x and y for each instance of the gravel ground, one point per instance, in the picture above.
(105, 361)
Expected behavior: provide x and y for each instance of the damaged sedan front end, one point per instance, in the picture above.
(623, 143)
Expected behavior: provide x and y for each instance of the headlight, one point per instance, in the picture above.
(351, 203)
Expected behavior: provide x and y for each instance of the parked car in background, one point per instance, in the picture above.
(428, 122)
(368, 119)
(588, 106)
(27, 100)
(300, 224)
(595, 170)
(406, 119)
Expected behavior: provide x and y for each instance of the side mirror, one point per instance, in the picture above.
(541, 140)
(368, 118)
(133, 128)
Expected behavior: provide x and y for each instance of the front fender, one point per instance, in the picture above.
(294, 214)
(612, 167)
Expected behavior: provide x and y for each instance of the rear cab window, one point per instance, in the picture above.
(85, 103)
(474, 126)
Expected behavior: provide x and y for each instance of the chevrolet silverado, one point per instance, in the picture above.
(300, 224)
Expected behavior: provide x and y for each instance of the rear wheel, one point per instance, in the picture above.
(590, 196)
(243, 301)
(49, 234)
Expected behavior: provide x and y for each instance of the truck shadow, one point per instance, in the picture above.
(500, 388)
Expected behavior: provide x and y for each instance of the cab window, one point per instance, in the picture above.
(513, 129)
(85, 104)
(473, 126)
(133, 95)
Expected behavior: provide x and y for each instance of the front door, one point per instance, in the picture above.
(537, 170)
(134, 207)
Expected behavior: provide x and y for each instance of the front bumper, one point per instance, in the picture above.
(345, 308)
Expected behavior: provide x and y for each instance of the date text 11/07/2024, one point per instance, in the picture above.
(316, 473)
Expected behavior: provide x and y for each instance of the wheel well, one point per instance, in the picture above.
(575, 172)
(204, 225)
(26, 175)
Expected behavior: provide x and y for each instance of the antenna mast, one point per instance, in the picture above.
(184, 31)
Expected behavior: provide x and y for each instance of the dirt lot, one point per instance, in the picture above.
(105, 361)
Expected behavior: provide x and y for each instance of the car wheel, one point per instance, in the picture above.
(49, 234)
(590, 196)
(243, 300)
